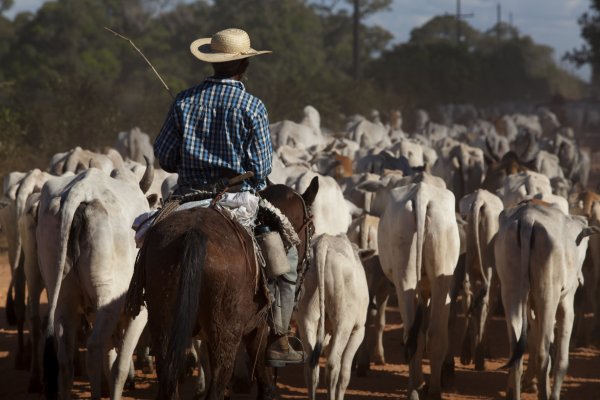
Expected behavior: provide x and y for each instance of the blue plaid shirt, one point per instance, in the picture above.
(214, 126)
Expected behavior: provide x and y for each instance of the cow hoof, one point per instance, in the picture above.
(530, 387)
(362, 370)
(379, 359)
(147, 366)
(414, 395)
(129, 384)
(480, 365)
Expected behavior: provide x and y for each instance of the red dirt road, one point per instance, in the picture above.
(389, 381)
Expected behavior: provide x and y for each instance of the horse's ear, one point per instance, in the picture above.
(311, 192)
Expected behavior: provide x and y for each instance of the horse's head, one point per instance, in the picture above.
(297, 208)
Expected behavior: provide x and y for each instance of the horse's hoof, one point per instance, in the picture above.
(480, 365)
(35, 386)
(241, 386)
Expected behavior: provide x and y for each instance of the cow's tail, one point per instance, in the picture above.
(420, 213)
(478, 208)
(185, 312)
(525, 235)
(320, 260)
(68, 212)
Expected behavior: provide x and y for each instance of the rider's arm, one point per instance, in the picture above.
(167, 147)
(260, 151)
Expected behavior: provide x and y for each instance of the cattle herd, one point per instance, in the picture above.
(494, 213)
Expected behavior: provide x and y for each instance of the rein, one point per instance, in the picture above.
(307, 224)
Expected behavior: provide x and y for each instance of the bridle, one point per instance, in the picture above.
(309, 228)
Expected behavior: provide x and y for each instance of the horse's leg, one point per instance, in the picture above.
(122, 365)
(256, 343)
(222, 350)
(143, 357)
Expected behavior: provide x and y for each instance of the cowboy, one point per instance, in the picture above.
(217, 130)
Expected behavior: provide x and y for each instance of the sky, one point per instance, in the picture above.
(550, 22)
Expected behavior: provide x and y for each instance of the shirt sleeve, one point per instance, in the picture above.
(167, 147)
(260, 150)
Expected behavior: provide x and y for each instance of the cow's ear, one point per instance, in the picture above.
(311, 192)
(152, 200)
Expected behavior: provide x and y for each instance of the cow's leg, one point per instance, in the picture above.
(337, 345)
(382, 300)
(35, 286)
(414, 345)
(356, 338)
(121, 367)
(438, 333)
(107, 317)
(545, 315)
(307, 326)
(21, 359)
(564, 326)
(143, 357)
(533, 337)
(481, 319)
(66, 325)
(513, 312)
(200, 384)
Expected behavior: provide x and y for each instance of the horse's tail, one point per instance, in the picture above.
(184, 312)
(11, 313)
(320, 260)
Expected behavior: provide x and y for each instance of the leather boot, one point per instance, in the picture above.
(280, 353)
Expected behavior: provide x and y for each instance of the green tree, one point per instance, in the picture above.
(589, 53)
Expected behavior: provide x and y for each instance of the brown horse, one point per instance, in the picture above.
(201, 282)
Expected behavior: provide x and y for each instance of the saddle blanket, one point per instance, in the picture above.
(242, 206)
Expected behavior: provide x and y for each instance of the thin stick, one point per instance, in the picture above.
(142, 54)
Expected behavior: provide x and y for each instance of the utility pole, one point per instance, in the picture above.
(355, 45)
(498, 20)
(510, 19)
(459, 16)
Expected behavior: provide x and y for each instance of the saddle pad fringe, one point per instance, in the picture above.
(277, 220)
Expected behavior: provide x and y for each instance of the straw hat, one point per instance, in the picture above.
(227, 45)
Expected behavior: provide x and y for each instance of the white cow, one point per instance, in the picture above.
(330, 210)
(26, 212)
(524, 186)
(419, 244)
(78, 159)
(15, 305)
(307, 134)
(135, 145)
(335, 302)
(86, 250)
(481, 210)
(539, 261)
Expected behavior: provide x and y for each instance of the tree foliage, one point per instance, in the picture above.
(589, 52)
(66, 81)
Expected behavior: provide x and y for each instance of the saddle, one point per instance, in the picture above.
(267, 215)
